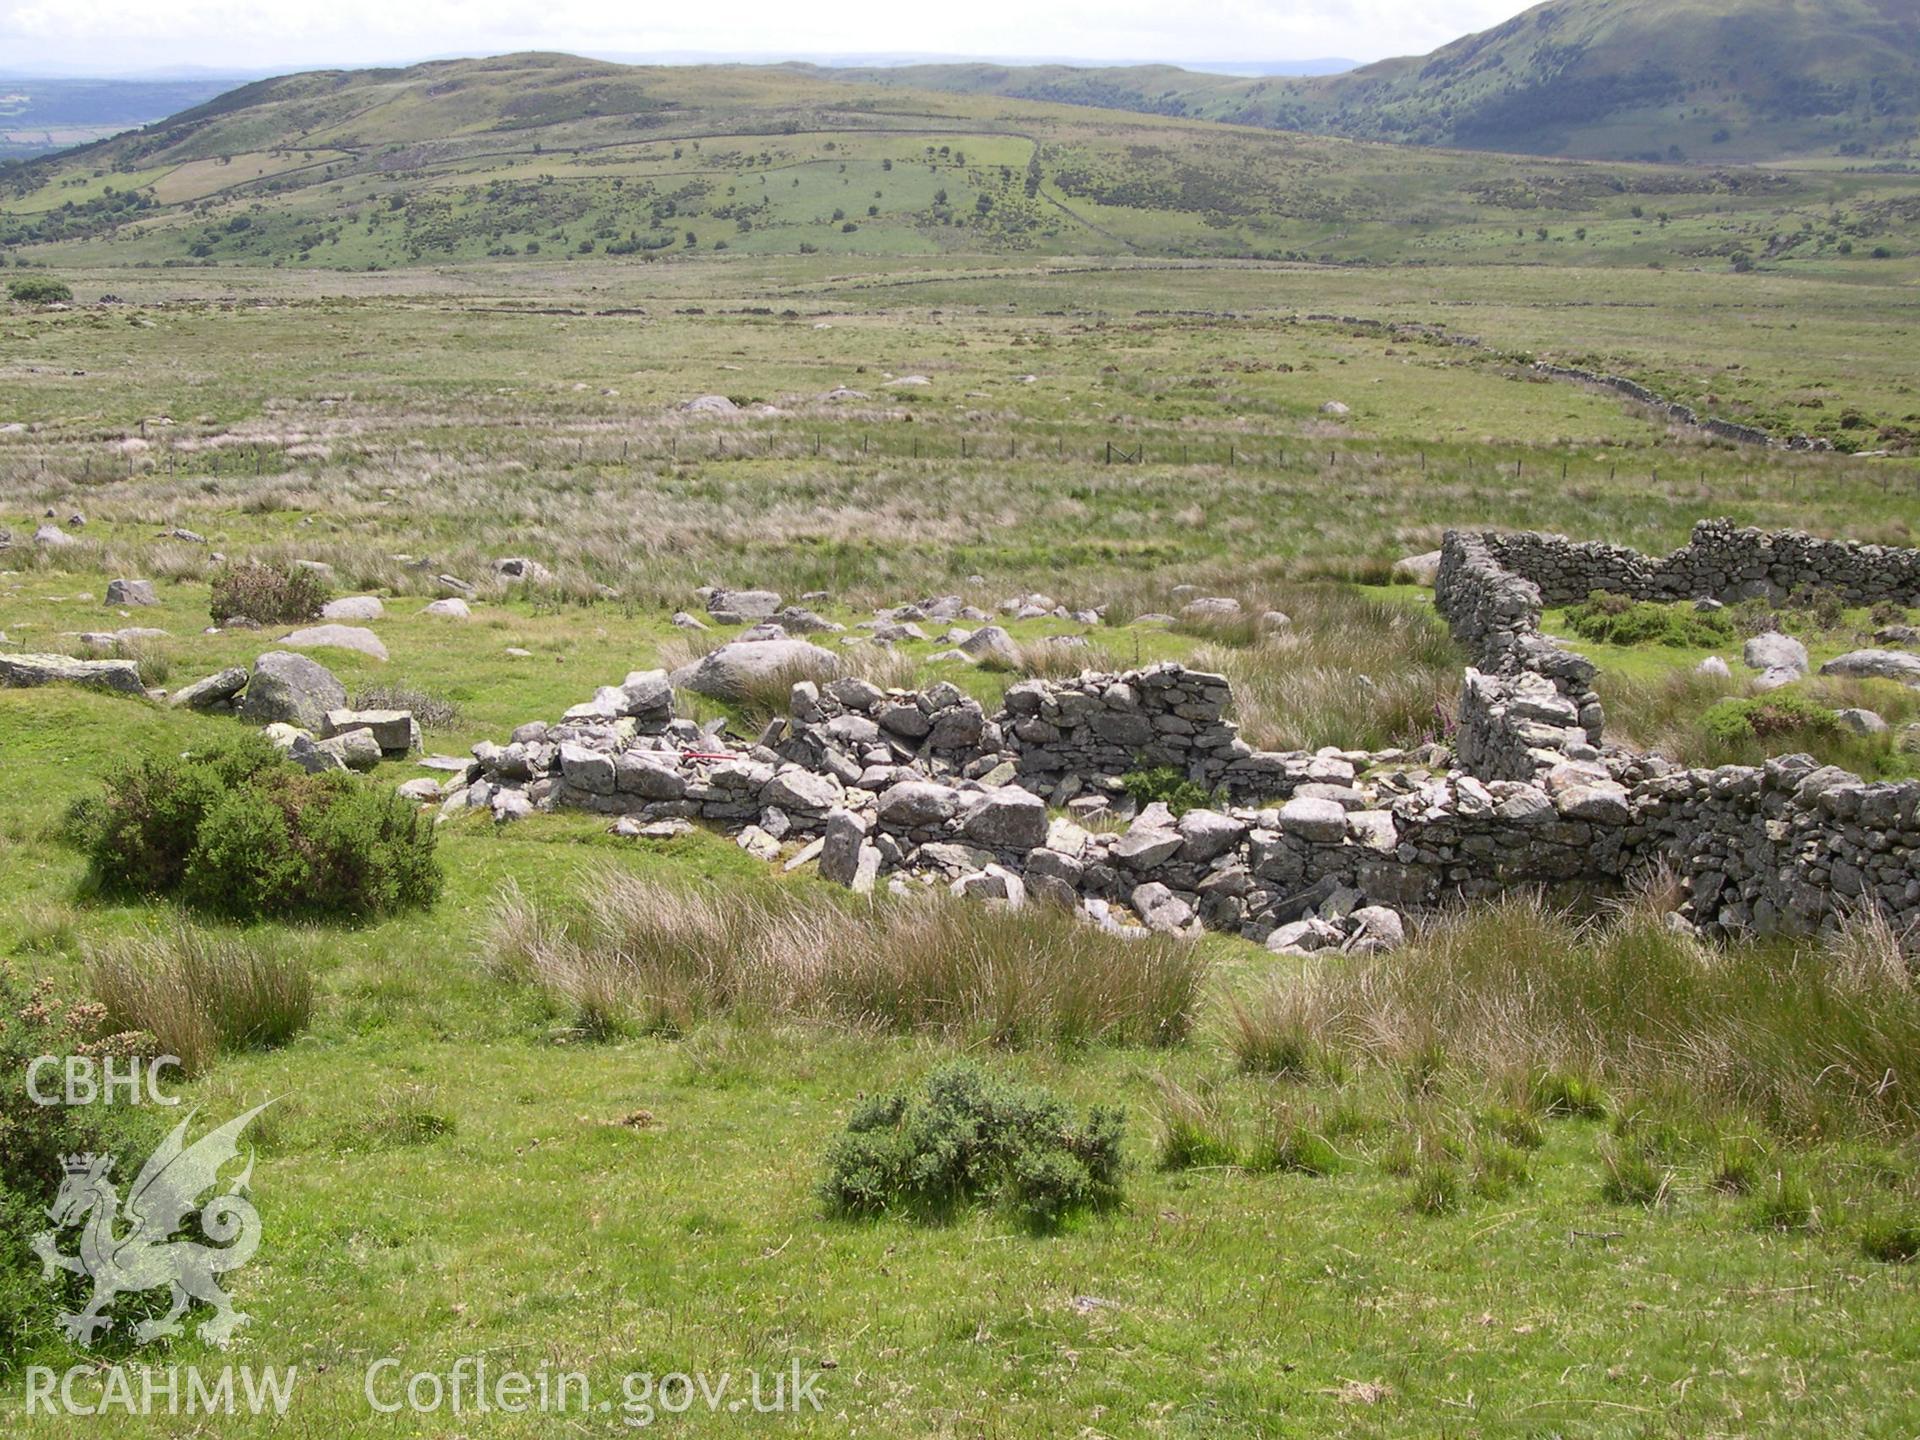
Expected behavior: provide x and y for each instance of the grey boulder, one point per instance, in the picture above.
(1774, 651)
(1007, 819)
(336, 637)
(131, 592)
(738, 670)
(353, 607)
(213, 691)
(292, 689)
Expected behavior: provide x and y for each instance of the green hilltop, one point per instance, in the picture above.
(1743, 80)
(558, 157)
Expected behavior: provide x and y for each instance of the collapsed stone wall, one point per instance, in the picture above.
(1304, 850)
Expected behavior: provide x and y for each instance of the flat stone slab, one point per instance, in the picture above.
(1322, 822)
(392, 730)
(1875, 665)
(212, 691)
(27, 670)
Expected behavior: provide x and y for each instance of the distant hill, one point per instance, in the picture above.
(560, 158)
(38, 114)
(1716, 80)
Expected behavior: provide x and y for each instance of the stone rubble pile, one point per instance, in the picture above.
(1025, 804)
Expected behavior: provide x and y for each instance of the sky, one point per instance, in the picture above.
(120, 36)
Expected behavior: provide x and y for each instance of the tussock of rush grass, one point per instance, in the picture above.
(636, 955)
(200, 992)
(1810, 1039)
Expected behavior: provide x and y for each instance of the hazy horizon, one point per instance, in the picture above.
(128, 38)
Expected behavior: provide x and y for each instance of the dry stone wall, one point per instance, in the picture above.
(1721, 561)
(1674, 411)
(1787, 847)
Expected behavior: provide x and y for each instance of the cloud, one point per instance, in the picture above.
(123, 34)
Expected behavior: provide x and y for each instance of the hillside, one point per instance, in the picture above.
(558, 157)
(1711, 80)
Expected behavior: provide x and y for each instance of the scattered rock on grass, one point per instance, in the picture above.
(131, 592)
(336, 637)
(353, 607)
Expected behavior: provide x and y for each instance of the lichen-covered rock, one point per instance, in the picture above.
(917, 805)
(131, 592)
(394, 731)
(337, 637)
(353, 607)
(1875, 665)
(1774, 651)
(1322, 822)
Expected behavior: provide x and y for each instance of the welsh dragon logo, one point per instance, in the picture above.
(130, 1247)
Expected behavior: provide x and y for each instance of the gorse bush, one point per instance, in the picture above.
(641, 956)
(39, 290)
(1779, 714)
(1618, 620)
(267, 594)
(200, 993)
(239, 832)
(971, 1138)
(142, 829)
